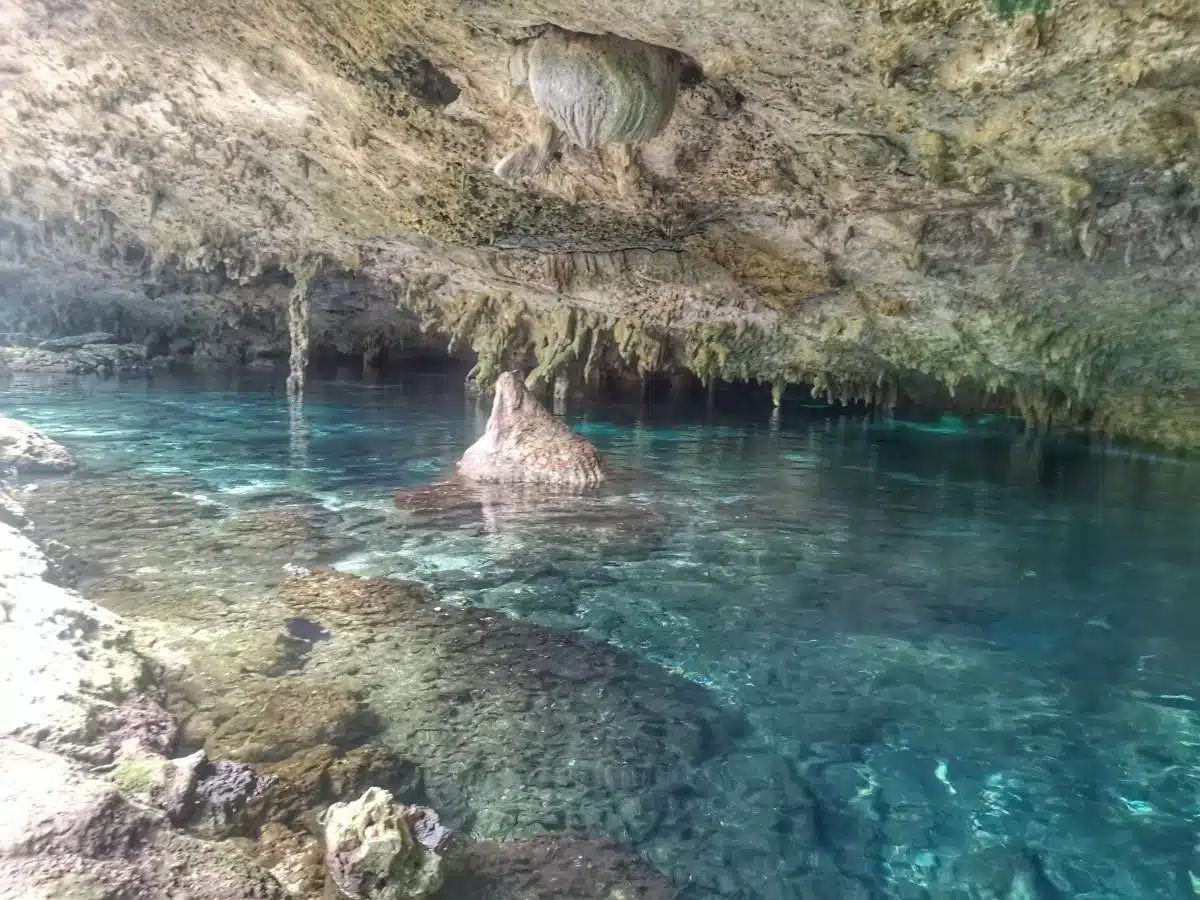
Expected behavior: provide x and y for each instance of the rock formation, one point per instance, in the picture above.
(592, 91)
(25, 449)
(967, 202)
(524, 444)
(377, 849)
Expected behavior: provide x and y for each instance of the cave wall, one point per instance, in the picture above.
(999, 196)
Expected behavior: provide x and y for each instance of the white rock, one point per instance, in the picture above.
(372, 853)
(28, 450)
(59, 653)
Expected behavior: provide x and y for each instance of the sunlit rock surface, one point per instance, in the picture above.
(982, 202)
(376, 849)
(25, 449)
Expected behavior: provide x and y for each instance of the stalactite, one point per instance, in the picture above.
(299, 321)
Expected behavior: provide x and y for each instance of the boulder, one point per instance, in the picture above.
(378, 849)
(28, 450)
(212, 798)
(524, 444)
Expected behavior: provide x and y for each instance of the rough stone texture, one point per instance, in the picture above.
(70, 679)
(373, 852)
(550, 867)
(65, 660)
(523, 443)
(67, 835)
(25, 449)
(107, 359)
(312, 778)
(518, 729)
(218, 795)
(289, 716)
(876, 197)
(144, 721)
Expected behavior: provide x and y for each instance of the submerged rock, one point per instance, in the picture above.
(377, 849)
(287, 717)
(311, 779)
(552, 867)
(28, 450)
(524, 443)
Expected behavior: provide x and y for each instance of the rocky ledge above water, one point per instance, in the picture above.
(967, 202)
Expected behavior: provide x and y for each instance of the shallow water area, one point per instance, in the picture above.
(820, 656)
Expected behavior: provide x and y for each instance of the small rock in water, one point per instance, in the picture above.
(378, 849)
(25, 449)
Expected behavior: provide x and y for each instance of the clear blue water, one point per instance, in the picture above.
(957, 652)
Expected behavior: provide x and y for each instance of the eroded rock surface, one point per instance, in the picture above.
(65, 835)
(876, 198)
(25, 449)
(377, 849)
(72, 681)
(66, 661)
(525, 444)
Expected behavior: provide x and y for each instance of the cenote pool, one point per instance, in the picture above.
(818, 657)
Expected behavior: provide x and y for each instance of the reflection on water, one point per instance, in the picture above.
(962, 665)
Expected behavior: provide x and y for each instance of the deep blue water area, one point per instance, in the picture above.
(968, 659)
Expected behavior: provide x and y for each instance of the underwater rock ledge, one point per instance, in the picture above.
(98, 804)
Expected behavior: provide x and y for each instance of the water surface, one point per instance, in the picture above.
(965, 663)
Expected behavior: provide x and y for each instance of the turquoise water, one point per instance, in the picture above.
(966, 662)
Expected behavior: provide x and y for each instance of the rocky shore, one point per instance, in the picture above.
(130, 768)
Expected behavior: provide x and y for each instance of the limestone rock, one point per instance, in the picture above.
(65, 834)
(26, 449)
(213, 798)
(993, 198)
(293, 857)
(74, 342)
(65, 659)
(524, 443)
(315, 777)
(592, 90)
(144, 721)
(377, 849)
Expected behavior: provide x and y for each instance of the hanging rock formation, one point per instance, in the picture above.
(591, 90)
(985, 202)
